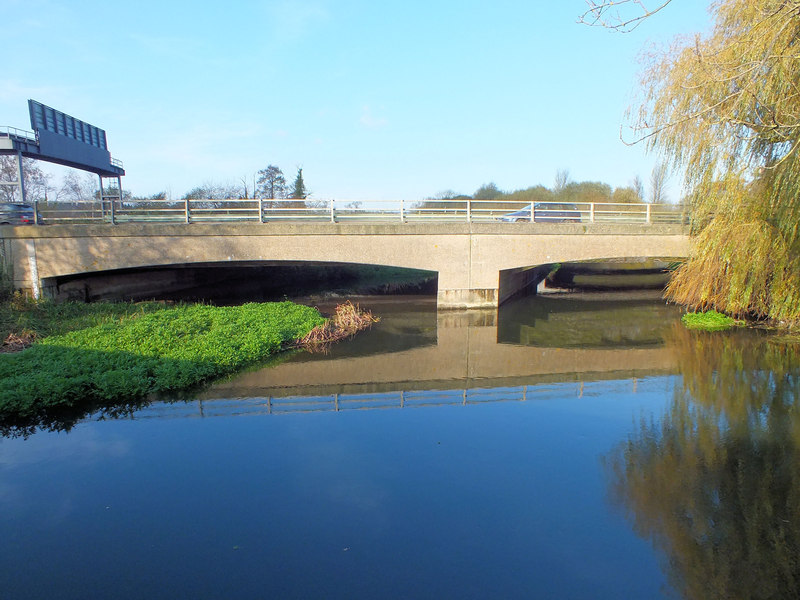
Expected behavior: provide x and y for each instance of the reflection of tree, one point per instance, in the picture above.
(716, 483)
(24, 421)
(64, 418)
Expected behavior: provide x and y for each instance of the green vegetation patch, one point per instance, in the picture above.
(44, 318)
(709, 321)
(146, 353)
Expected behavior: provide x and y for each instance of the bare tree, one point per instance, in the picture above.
(561, 181)
(77, 188)
(614, 14)
(35, 180)
(227, 191)
(625, 195)
(658, 183)
(213, 191)
(488, 191)
(638, 185)
(444, 195)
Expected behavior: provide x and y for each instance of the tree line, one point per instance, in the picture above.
(567, 191)
(268, 183)
(271, 184)
(79, 186)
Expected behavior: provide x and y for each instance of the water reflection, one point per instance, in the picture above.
(402, 399)
(596, 320)
(493, 490)
(416, 348)
(715, 482)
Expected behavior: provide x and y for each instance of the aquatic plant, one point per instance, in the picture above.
(145, 353)
(710, 320)
(42, 318)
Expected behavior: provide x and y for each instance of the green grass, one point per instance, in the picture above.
(46, 318)
(709, 321)
(133, 353)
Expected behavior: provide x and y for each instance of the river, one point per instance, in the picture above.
(567, 446)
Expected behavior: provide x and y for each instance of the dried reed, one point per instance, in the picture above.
(348, 319)
(16, 342)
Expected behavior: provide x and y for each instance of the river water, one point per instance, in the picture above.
(579, 446)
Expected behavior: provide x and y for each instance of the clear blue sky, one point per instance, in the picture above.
(375, 100)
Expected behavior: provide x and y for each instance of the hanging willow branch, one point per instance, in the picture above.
(726, 109)
(608, 14)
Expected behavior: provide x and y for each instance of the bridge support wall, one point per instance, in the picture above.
(468, 258)
(517, 282)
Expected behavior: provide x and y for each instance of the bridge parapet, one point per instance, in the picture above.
(376, 211)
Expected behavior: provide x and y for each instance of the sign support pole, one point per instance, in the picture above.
(21, 179)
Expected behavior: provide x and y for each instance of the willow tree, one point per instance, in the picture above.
(725, 108)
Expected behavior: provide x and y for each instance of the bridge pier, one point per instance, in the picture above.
(511, 283)
(467, 298)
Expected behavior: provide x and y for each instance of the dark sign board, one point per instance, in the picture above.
(49, 119)
(66, 140)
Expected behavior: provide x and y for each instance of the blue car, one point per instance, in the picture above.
(12, 213)
(546, 212)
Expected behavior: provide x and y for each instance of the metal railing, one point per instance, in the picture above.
(7, 131)
(337, 211)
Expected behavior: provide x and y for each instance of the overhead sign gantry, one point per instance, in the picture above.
(61, 139)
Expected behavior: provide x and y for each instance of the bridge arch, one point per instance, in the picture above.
(229, 281)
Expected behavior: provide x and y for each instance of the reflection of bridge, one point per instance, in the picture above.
(466, 356)
(337, 402)
(466, 366)
(478, 264)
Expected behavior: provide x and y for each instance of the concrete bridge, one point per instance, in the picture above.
(478, 264)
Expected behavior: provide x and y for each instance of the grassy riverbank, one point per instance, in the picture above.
(95, 354)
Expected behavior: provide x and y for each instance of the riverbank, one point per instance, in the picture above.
(110, 355)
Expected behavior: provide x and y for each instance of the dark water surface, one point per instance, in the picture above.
(564, 448)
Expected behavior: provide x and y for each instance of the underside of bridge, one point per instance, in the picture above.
(232, 283)
(599, 275)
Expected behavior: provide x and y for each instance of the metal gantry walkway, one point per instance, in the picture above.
(61, 139)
